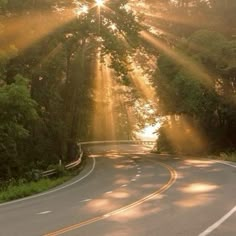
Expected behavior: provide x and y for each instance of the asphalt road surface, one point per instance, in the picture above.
(126, 190)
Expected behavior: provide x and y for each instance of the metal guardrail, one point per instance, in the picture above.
(119, 142)
(75, 163)
(48, 173)
(67, 167)
(79, 160)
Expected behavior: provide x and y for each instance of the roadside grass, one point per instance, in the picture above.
(21, 188)
(226, 156)
(15, 191)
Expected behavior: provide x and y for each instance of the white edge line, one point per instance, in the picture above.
(218, 223)
(226, 216)
(226, 163)
(51, 191)
(86, 200)
(44, 212)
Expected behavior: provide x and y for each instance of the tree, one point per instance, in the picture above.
(17, 110)
(181, 92)
(59, 67)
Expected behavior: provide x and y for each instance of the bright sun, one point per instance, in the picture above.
(99, 2)
(148, 133)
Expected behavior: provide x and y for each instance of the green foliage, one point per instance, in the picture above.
(5, 56)
(183, 92)
(163, 143)
(17, 109)
(14, 5)
(207, 48)
(182, 18)
(230, 156)
(43, 118)
(60, 169)
(3, 4)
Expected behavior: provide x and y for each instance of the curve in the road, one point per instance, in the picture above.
(122, 196)
(171, 181)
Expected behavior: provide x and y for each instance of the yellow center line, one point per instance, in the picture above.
(173, 176)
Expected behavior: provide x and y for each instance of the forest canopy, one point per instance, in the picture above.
(83, 70)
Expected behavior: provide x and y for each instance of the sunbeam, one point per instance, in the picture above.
(180, 59)
(104, 121)
(141, 83)
(183, 135)
(25, 30)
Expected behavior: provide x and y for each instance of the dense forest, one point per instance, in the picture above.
(48, 52)
(196, 75)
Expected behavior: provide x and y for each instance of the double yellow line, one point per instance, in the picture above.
(172, 179)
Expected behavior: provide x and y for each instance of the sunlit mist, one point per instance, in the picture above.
(183, 136)
(141, 83)
(25, 30)
(145, 105)
(103, 116)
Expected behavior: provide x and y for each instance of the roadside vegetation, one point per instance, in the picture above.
(21, 189)
(225, 156)
(36, 183)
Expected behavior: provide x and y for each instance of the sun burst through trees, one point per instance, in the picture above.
(99, 2)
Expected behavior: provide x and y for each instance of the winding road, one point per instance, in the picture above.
(126, 190)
